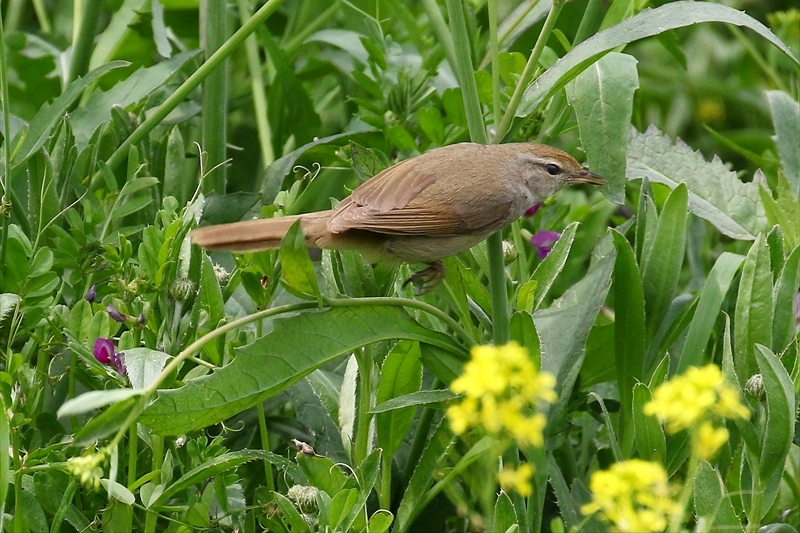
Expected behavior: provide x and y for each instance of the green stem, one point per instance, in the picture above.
(262, 425)
(258, 91)
(5, 181)
(364, 358)
(191, 83)
(385, 492)
(527, 73)
(494, 50)
(441, 31)
(64, 506)
(676, 522)
(82, 41)
(151, 520)
(214, 32)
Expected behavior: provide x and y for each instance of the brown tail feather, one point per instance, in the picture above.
(260, 234)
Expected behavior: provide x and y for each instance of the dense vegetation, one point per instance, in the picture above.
(653, 376)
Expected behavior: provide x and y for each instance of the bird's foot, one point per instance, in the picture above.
(426, 279)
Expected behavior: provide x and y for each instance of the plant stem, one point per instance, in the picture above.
(527, 73)
(5, 181)
(191, 83)
(82, 41)
(213, 33)
(262, 424)
(364, 358)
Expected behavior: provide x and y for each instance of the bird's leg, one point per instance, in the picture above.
(428, 278)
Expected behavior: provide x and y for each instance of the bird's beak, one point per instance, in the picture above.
(584, 176)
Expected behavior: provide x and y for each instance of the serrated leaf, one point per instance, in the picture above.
(602, 97)
(296, 346)
(298, 271)
(786, 118)
(647, 23)
(401, 374)
(712, 502)
(715, 193)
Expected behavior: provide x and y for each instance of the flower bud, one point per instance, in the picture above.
(222, 275)
(181, 289)
(755, 387)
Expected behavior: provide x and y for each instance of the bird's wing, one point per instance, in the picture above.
(406, 200)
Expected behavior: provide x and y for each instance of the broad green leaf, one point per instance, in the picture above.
(342, 504)
(712, 502)
(365, 163)
(97, 110)
(629, 330)
(95, 399)
(649, 435)
(504, 516)
(296, 267)
(786, 118)
(564, 326)
(105, 423)
(39, 128)
(401, 374)
(43, 202)
(7, 302)
(322, 473)
(144, 366)
(708, 308)
(380, 521)
(523, 330)
(783, 211)
(780, 412)
(785, 315)
(547, 271)
(647, 23)
(753, 319)
(296, 346)
(602, 97)
(661, 267)
(716, 194)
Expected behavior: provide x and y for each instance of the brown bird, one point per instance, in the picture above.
(424, 208)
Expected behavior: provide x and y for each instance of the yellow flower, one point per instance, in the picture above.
(502, 389)
(707, 440)
(87, 468)
(694, 401)
(633, 496)
(518, 480)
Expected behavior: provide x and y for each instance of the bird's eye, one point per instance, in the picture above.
(552, 169)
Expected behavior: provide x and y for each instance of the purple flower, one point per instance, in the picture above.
(543, 242)
(103, 350)
(91, 294)
(105, 353)
(114, 314)
(533, 209)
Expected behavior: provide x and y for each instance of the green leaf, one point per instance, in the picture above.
(629, 329)
(95, 399)
(296, 346)
(716, 194)
(414, 399)
(105, 423)
(365, 163)
(650, 440)
(783, 211)
(780, 406)
(785, 315)
(297, 269)
(39, 128)
(564, 326)
(134, 88)
(708, 308)
(401, 374)
(431, 124)
(661, 267)
(290, 515)
(504, 516)
(210, 299)
(752, 322)
(647, 23)
(144, 366)
(786, 118)
(7, 303)
(322, 473)
(712, 502)
(549, 269)
(341, 506)
(602, 97)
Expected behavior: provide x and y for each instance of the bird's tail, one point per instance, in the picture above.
(260, 234)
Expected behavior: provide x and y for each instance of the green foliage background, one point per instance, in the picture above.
(127, 123)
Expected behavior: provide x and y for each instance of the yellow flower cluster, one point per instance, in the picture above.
(87, 468)
(501, 388)
(633, 496)
(694, 401)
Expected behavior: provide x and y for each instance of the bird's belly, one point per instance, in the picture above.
(426, 249)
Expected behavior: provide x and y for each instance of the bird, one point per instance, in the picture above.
(422, 209)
